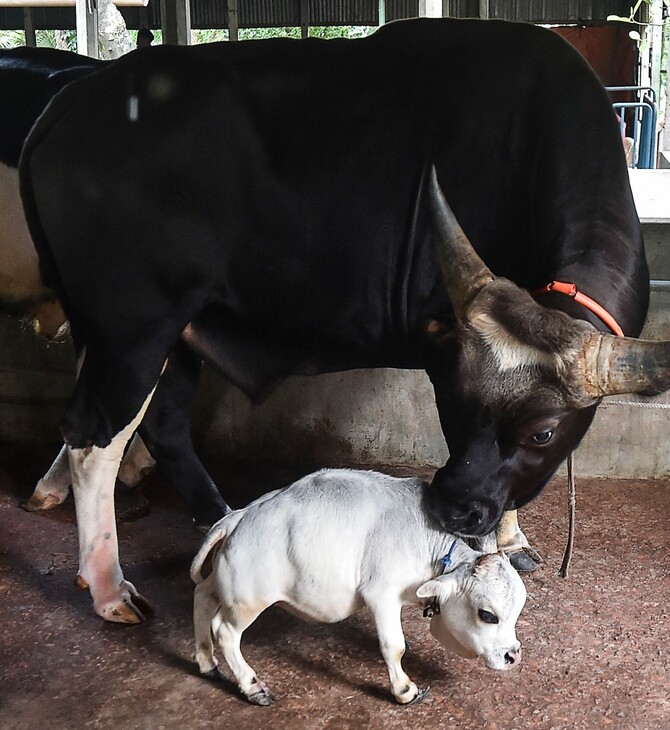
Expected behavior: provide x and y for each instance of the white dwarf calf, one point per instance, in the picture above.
(338, 540)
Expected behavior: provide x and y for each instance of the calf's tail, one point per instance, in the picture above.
(216, 535)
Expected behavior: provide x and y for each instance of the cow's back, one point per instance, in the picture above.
(278, 162)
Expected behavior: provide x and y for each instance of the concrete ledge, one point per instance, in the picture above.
(651, 191)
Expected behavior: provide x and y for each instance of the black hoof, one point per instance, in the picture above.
(522, 562)
(263, 698)
(130, 503)
(214, 675)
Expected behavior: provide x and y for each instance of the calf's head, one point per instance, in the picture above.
(516, 384)
(480, 601)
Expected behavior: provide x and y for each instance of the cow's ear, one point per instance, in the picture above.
(439, 334)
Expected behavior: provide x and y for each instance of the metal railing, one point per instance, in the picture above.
(640, 121)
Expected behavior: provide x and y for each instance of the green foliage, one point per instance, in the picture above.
(11, 38)
(245, 34)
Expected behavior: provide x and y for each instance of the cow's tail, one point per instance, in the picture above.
(215, 536)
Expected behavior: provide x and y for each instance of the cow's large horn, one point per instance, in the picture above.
(465, 274)
(617, 365)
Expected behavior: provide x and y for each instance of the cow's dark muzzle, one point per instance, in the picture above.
(472, 518)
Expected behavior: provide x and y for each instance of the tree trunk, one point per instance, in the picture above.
(114, 38)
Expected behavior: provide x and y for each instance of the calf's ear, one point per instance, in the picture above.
(441, 587)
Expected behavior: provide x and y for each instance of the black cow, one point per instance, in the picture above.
(267, 205)
(29, 79)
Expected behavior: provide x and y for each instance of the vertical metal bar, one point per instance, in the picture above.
(87, 27)
(484, 9)
(176, 22)
(304, 18)
(233, 21)
(382, 12)
(29, 27)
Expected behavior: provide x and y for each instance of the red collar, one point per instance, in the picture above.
(571, 290)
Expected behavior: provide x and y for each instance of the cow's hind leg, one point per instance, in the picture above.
(94, 471)
(53, 488)
(229, 624)
(136, 464)
(166, 430)
(511, 539)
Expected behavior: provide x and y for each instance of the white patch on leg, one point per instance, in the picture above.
(93, 477)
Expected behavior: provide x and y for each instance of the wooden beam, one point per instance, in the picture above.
(64, 3)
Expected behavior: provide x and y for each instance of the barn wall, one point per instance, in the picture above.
(364, 417)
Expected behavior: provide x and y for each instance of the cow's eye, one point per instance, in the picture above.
(487, 617)
(543, 437)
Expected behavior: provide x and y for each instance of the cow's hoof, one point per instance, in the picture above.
(522, 561)
(262, 696)
(42, 499)
(133, 608)
(129, 502)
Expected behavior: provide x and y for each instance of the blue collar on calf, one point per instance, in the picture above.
(433, 608)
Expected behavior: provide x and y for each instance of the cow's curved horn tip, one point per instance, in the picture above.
(522, 562)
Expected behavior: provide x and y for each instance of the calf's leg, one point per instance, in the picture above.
(205, 606)
(230, 623)
(392, 644)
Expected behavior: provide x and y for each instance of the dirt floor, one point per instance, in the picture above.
(596, 649)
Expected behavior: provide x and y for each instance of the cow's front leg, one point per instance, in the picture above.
(53, 488)
(511, 539)
(392, 645)
(94, 471)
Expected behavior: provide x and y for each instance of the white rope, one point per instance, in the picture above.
(635, 404)
(572, 499)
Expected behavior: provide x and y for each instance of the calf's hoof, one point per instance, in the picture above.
(259, 694)
(411, 695)
(522, 562)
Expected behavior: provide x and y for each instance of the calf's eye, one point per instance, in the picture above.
(543, 437)
(487, 617)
